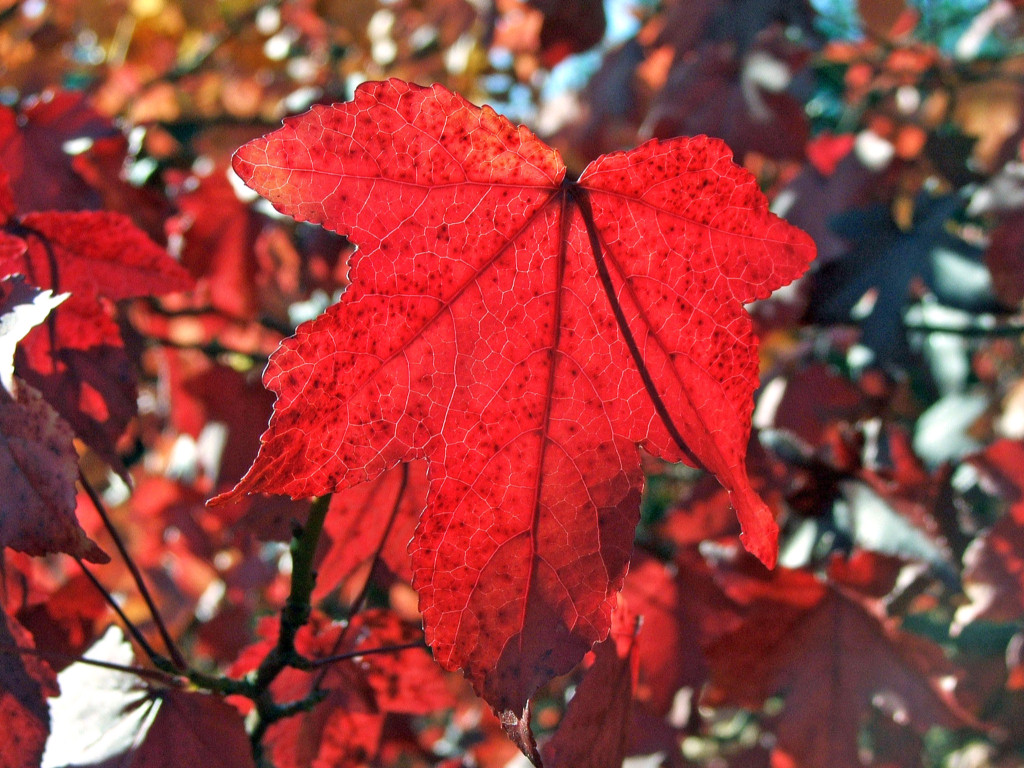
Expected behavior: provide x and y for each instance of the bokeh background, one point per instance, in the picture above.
(888, 427)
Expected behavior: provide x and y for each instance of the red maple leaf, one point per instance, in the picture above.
(526, 334)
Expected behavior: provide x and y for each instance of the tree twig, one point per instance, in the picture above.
(158, 659)
(147, 674)
(294, 616)
(316, 663)
(177, 659)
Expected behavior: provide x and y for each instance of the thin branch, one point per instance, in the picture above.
(213, 350)
(1011, 327)
(265, 322)
(147, 674)
(215, 41)
(315, 663)
(157, 658)
(176, 657)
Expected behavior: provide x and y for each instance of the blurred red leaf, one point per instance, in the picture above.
(869, 573)
(832, 660)
(994, 573)
(218, 234)
(1005, 259)
(1000, 464)
(595, 726)
(569, 26)
(826, 149)
(103, 166)
(203, 393)
(812, 199)
(717, 95)
(25, 682)
(32, 150)
(682, 610)
(812, 398)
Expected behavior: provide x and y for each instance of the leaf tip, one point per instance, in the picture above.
(765, 549)
(223, 499)
(760, 532)
(93, 554)
(242, 162)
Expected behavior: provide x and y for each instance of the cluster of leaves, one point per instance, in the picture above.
(500, 326)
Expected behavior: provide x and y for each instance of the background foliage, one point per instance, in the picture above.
(888, 428)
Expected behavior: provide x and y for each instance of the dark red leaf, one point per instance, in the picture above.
(832, 662)
(38, 461)
(814, 197)
(570, 26)
(203, 392)
(77, 361)
(25, 682)
(68, 620)
(525, 334)
(719, 95)
(332, 734)
(32, 151)
(108, 719)
(807, 401)
(682, 611)
(595, 726)
(38, 470)
(79, 364)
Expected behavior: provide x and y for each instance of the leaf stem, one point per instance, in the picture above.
(316, 663)
(161, 661)
(176, 657)
(148, 674)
